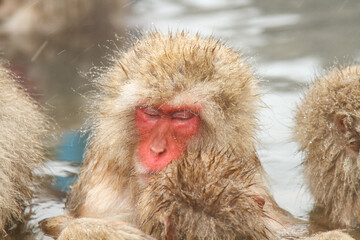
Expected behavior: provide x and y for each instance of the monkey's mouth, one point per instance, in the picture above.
(143, 174)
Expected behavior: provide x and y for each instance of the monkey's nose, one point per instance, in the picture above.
(158, 147)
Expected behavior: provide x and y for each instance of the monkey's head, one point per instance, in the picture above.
(328, 130)
(329, 115)
(170, 94)
(201, 196)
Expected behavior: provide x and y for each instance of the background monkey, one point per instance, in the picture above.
(328, 130)
(24, 130)
(49, 17)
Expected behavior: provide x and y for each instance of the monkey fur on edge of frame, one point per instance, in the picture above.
(199, 95)
(24, 130)
(328, 130)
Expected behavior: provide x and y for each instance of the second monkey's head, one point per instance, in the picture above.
(169, 94)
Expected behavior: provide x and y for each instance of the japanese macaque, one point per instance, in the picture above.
(24, 130)
(328, 130)
(167, 97)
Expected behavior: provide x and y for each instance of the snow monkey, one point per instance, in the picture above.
(328, 130)
(24, 130)
(172, 142)
(166, 97)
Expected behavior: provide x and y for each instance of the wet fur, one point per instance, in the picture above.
(331, 235)
(328, 130)
(204, 196)
(176, 69)
(24, 130)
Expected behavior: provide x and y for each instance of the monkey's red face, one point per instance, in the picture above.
(164, 134)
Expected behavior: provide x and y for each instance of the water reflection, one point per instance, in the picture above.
(57, 177)
(289, 40)
(71, 152)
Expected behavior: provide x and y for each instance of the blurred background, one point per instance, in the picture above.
(52, 44)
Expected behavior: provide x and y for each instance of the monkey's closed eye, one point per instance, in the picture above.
(152, 112)
(183, 115)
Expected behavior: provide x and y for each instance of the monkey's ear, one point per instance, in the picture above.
(346, 126)
(340, 122)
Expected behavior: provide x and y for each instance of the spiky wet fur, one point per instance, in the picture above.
(331, 170)
(23, 133)
(176, 69)
(204, 196)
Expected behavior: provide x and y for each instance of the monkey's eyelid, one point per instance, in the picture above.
(151, 111)
(183, 115)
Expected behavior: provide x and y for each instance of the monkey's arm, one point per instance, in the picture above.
(65, 227)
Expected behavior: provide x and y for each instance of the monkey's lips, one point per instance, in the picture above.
(154, 163)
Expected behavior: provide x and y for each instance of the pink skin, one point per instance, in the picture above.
(164, 133)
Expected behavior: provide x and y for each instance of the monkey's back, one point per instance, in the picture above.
(22, 136)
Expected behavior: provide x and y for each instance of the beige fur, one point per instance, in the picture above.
(176, 69)
(94, 230)
(328, 129)
(331, 235)
(23, 131)
(205, 196)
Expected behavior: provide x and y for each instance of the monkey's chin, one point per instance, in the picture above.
(146, 177)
